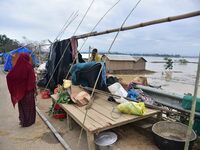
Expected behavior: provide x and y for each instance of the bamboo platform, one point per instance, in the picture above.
(99, 116)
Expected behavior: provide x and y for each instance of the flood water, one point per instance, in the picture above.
(182, 73)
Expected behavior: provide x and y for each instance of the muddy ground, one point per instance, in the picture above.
(38, 136)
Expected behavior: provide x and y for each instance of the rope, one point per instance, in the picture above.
(65, 26)
(88, 37)
(99, 75)
(68, 45)
(100, 21)
(89, 105)
(59, 59)
(83, 17)
(123, 25)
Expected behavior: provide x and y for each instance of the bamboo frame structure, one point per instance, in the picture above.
(140, 25)
(153, 22)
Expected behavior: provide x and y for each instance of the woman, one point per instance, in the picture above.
(21, 84)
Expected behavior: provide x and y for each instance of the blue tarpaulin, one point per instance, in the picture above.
(8, 58)
(85, 66)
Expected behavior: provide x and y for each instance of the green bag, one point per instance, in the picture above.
(187, 103)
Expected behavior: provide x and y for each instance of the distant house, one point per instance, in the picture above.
(85, 56)
(124, 63)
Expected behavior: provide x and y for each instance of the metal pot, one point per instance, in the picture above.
(171, 135)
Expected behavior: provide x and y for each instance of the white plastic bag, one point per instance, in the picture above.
(117, 89)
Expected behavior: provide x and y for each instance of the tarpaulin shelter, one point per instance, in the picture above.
(4, 56)
(10, 56)
(1, 58)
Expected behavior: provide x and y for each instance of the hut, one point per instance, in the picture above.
(124, 63)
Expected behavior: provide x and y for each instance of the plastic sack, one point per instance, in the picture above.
(187, 103)
(117, 89)
(132, 108)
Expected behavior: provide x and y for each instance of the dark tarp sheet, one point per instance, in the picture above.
(57, 49)
(85, 74)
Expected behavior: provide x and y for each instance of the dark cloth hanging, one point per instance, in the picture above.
(57, 49)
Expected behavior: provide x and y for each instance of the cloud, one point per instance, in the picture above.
(39, 20)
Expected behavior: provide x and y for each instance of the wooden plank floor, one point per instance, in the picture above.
(100, 116)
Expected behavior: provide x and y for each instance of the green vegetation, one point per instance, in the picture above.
(168, 64)
(182, 61)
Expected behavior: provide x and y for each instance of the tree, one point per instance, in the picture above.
(168, 64)
(7, 44)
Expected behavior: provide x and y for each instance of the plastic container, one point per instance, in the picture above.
(105, 140)
(45, 94)
(57, 107)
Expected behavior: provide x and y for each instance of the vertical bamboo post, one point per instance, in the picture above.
(89, 55)
(39, 54)
(191, 122)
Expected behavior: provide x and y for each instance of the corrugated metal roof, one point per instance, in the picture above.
(123, 57)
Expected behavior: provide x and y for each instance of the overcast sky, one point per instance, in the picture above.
(42, 19)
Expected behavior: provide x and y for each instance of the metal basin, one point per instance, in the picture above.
(171, 135)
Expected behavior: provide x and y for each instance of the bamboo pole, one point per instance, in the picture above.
(160, 92)
(191, 122)
(57, 135)
(140, 25)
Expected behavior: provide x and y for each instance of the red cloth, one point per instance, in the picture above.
(21, 79)
(74, 45)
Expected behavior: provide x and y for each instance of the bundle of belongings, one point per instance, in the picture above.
(62, 55)
(131, 101)
(86, 74)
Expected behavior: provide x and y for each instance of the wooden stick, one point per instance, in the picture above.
(191, 122)
(140, 25)
(57, 135)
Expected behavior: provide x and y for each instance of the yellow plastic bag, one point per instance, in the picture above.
(132, 108)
